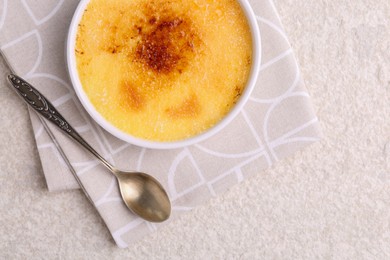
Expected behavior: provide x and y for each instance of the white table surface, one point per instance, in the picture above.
(330, 201)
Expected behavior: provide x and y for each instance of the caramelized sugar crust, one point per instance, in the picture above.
(163, 70)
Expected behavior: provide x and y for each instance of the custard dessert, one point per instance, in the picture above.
(163, 70)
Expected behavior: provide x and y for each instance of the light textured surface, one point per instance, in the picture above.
(277, 121)
(330, 201)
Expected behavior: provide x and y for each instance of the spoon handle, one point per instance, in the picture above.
(40, 104)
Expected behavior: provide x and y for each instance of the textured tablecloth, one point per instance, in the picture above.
(277, 121)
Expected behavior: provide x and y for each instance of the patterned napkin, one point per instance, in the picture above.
(277, 121)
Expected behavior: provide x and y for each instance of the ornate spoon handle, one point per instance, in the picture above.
(40, 104)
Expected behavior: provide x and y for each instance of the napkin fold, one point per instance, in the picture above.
(277, 120)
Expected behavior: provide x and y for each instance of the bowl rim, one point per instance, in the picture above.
(98, 118)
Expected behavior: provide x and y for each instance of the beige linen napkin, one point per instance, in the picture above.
(277, 121)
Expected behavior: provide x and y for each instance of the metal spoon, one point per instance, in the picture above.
(141, 193)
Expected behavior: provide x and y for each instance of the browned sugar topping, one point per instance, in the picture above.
(189, 108)
(132, 97)
(168, 46)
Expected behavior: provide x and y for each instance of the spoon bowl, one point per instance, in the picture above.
(141, 193)
(144, 195)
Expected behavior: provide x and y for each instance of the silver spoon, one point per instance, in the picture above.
(141, 193)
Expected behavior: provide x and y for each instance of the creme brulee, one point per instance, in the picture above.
(163, 70)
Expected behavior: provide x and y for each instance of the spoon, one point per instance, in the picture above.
(141, 193)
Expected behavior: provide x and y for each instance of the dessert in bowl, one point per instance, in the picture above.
(163, 74)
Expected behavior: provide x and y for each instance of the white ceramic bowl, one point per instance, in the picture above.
(72, 69)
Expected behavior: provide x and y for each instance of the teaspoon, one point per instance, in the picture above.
(141, 193)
